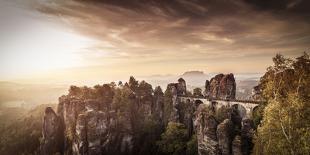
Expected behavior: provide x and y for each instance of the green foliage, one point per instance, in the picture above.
(192, 146)
(257, 115)
(121, 99)
(285, 125)
(23, 135)
(174, 139)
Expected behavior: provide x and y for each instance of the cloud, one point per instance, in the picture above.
(161, 30)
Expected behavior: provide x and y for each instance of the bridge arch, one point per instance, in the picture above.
(188, 101)
(198, 102)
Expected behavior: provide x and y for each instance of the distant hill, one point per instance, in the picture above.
(193, 73)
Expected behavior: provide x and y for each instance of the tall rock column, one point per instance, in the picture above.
(80, 145)
(174, 115)
(221, 87)
(236, 146)
(52, 133)
(224, 135)
(91, 130)
(227, 88)
(247, 133)
(206, 126)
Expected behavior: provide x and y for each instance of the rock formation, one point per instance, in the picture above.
(207, 89)
(206, 125)
(90, 125)
(92, 121)
(221, 86)
(176, 89)
(222, 138)
(224, 135)
(181, 87)
(236, 146)
(247, 133)
(52, 133)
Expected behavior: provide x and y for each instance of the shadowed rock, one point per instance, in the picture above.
(247, 133)
(206, 126)
(236, 146)
(224, 135)
(52, 133)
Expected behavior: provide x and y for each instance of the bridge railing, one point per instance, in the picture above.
(218, 99)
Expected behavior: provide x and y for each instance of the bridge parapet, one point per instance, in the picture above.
(216, 99)
(247, 105)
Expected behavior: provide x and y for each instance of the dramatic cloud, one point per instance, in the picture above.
(220, 35)
(207, 29)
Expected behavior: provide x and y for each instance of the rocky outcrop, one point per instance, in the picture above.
(176, 89)
(86, 125)
(224, 135)
(236, 146)
(52, 133)
(221, 86)
(247, 133)
(207, 89)
(158, 106)
(222, 138)
(90, 125)
(89, 121)
(206, 125)
(181, 87)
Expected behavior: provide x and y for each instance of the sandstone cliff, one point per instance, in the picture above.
(130, 118)
(221, 86)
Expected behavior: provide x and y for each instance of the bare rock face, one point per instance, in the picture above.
(206, 126)
(236, 146)
(72, 107)
(52, 133)
(181, 86)
(247, 133)
(93, 132)
(158, 106)
(215, 85)
(176, 89)
(207, 88)
(224, 135)
(227, 87)
(224, 138)
(80, 145)
(221, 86)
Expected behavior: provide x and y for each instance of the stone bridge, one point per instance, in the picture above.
(244, 107)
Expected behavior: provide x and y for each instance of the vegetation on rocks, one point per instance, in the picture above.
(285, 121)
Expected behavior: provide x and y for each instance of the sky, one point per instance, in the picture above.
(85, 40)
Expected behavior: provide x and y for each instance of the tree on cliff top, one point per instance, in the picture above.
(285, 126)
(173, 140)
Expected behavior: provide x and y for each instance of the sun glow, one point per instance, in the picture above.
(41, 50)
